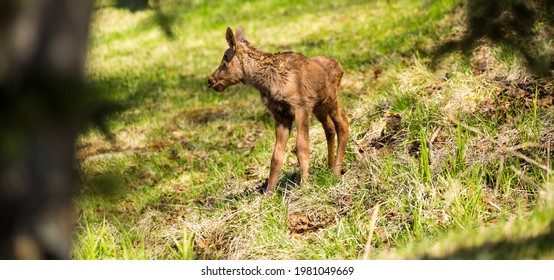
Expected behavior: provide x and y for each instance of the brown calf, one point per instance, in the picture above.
(292, 87)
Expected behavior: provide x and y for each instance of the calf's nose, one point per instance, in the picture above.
(210, 82)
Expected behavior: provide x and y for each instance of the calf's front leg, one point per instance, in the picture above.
(282, 132)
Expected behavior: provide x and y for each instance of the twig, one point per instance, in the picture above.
(373, 221)
(435, 134)
(500, 170)
(524, 145)
(526, 178)
(494, 205)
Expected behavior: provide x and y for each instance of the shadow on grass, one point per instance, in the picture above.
(536, 247)
(132, 5)
(288, 182)
(144, 89)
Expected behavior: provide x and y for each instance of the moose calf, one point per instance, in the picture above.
(292, 87)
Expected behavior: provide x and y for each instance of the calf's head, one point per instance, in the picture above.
(230, 71)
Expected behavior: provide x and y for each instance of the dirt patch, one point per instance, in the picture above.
(86, 151)
(300, 223)
(389, 135)
(414, 149)
(435, 88)
(343, 202)
(103, 148)
(511, 98)
(205, 115)
(483, 61)
(248, 142)
(374, 72)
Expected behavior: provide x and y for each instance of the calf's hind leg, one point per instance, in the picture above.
(302, 118)
(341, 125)
(329, 128)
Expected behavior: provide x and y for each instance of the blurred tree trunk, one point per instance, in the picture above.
(43, 99)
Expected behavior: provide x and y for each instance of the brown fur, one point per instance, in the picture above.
(292, 87)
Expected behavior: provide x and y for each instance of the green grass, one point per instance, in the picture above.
(179, 179)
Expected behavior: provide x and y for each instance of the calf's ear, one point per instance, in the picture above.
(230, 38)
(241, 37)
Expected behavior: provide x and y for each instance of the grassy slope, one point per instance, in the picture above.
(179, 179)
